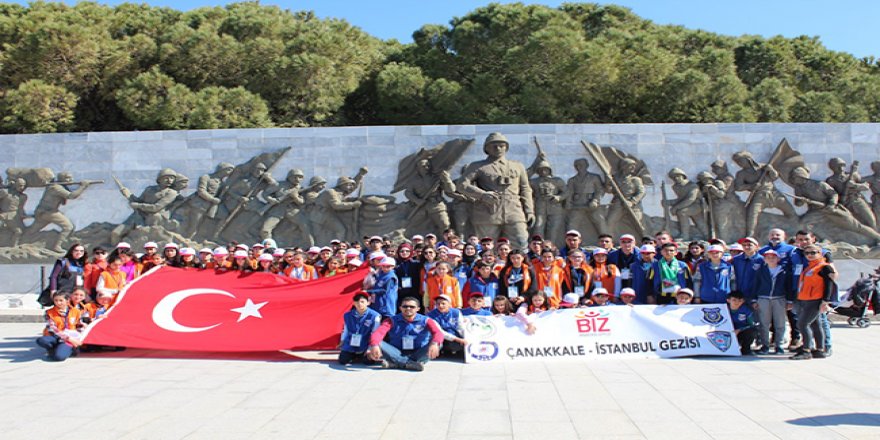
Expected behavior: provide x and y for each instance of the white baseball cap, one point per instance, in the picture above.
(240, 254)
(148, 245)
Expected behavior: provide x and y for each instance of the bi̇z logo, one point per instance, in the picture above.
(592, 321)
(484, 351)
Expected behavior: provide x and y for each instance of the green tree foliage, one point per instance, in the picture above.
(135, 66)
(37, 107)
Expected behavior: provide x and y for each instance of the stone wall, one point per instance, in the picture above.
(136, 157)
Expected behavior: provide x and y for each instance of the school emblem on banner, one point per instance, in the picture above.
(720, 339)
(481, 326)
(484, 351)
(712, 315)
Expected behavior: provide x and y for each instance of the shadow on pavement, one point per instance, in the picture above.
(20, 349)
(852, 419)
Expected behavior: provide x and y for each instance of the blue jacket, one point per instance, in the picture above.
(783, 249)
(642, 280)
(449, 321)
(746, 268)
(742, 317)
(715, 282)
(362, 325)
(683, 277)
(766, 286)
(417, 330)
(462, 272)
(384, 293)
(489, 288)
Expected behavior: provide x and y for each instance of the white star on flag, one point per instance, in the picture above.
(249, 309)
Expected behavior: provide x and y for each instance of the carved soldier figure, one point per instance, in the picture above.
(722, 174)
(849, 188)
(206, 200)
(461, 206)
(723, 209)
(549, 193)
(501, 189)
(332, 204)
(582, 194)
(758, 179)
(48, 211)
(12, 201)
(822, 201)
(686, 207)
(426, 193)
(286, 201)
(633, 189)
(150, 209)
(873, 182)
(246, 190)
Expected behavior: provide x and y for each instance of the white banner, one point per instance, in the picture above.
(612, 332)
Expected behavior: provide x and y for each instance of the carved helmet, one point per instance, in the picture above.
(166, 172)
(719, 164)
(317, 180)
(800, 172)
(835, 162)
(64, 177)
(494, 137)
(295, 172)
(676, 172)
(344, 180)
(705, 176)
(225, 166)
(543, 163)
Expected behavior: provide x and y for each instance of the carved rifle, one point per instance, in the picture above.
(667, 215)
(285, 196)
(603, 164)
(250, 194)
(710, 212)
(776, 154)
(359, 178)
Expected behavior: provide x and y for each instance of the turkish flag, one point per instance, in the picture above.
(203, 310)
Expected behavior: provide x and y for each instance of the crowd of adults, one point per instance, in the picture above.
(777, 293)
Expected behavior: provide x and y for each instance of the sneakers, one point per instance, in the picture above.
(385, 364)
(779, 350)
(764, 350)
(818, 354)
(828, 351)
(414, 366)
(802, 355)
(795, 345)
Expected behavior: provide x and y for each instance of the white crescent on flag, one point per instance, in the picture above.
(164, 310)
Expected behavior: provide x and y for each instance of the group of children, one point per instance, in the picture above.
(484, 276)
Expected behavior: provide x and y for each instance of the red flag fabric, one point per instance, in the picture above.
(203, 310)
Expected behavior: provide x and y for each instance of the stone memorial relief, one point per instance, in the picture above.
(434, 190)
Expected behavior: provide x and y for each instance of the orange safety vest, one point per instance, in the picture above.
(550, 282)
(61, 322)
(447, 285)
(309, 272)
(811, 285)
(527, 277)
(606, 274)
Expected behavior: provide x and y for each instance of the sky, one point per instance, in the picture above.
(842, 25)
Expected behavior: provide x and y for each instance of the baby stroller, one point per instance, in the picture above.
(861, 296)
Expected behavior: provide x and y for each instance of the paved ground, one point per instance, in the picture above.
(140, 394)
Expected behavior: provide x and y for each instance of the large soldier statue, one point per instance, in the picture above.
(549, 192)
(286, 201)
(205, 203)
(686, 206)
(336, 212)
(501, 189)
(583, 193)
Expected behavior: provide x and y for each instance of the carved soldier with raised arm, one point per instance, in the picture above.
(758, 179)
(205, 202)
(332, 207)
(150, 209)
(286, 201)
(849, 187)
(426, 191)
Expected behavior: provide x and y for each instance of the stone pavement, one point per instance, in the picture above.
(141, 394)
